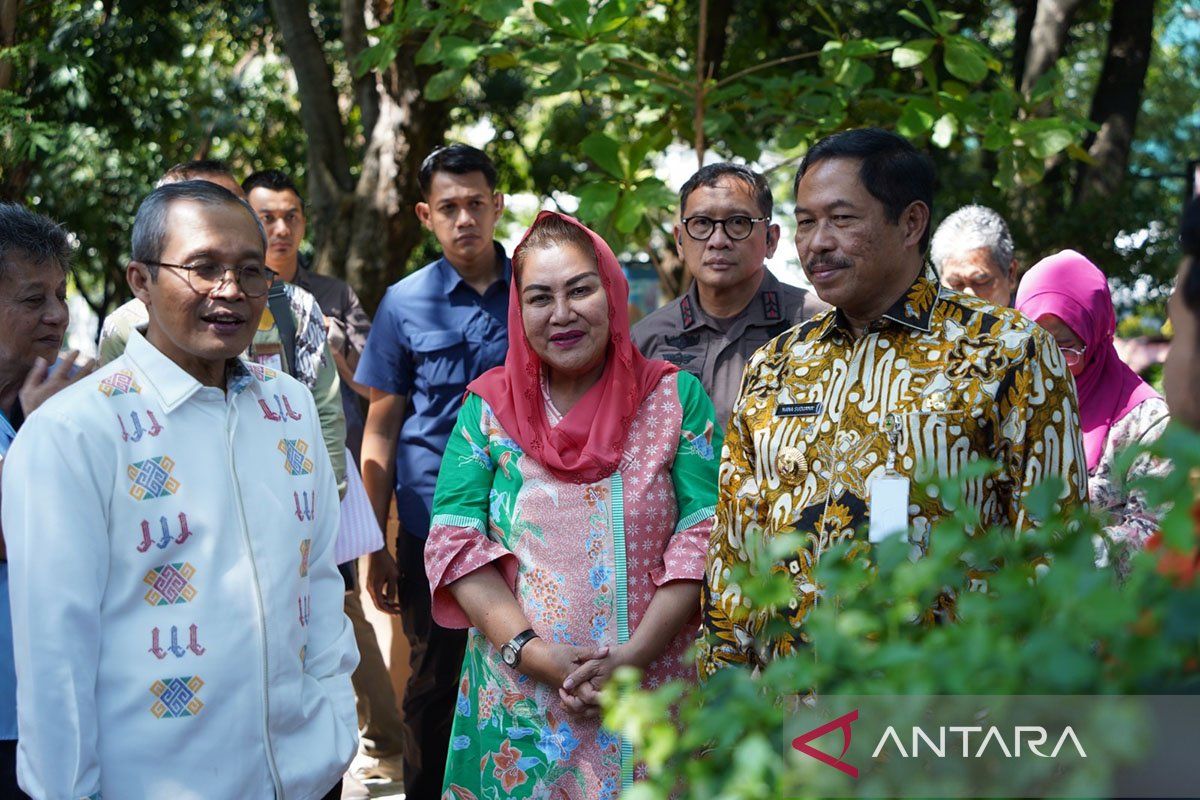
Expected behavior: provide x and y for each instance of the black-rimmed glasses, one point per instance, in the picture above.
(204, 277)
(737, 227)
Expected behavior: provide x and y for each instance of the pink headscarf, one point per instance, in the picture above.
(586, 445)
(1073, 289)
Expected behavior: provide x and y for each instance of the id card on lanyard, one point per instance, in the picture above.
(888, 493)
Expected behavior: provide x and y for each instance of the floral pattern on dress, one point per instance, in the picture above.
(558, 545)
(1132, 522)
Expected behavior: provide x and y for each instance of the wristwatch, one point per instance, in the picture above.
(510, 651)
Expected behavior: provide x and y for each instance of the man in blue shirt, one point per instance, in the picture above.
(435, 331)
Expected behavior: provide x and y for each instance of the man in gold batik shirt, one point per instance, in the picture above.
(899, 374)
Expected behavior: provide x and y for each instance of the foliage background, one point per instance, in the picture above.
(581, 101)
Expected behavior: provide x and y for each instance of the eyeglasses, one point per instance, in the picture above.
(1073, 355)
(205, 277)
(737, 227)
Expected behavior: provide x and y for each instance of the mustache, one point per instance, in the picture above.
(829, 262)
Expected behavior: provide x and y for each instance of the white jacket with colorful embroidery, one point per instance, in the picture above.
(177, 612)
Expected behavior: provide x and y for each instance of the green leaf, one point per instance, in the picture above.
(910, 54)
(1044, 138)
(913, 19)
(549, 17)
(458, 52)
(497, 10)
(915, 120)
(597, 200)
(592, 60)
(630, 213)
(576, 11)
(963, 61)
(944, 130)
(431, 50)
(564, 79)
(444, 84)
(606, 152)
(854, 74)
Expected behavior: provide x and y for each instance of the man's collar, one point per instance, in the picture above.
(170, 381)
(765, 306)
(451, 279)
(914, 309)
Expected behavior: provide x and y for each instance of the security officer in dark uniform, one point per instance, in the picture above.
(735, 305)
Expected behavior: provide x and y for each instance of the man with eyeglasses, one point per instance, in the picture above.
(291, 334)
(163, 589)
(734, 305)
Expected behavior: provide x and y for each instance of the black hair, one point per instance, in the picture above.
(458, 159)
(273, 179)
(1189, 241)
(150, 224)
(892, 170)
(709, 176)
(32, 236)
(189, 170)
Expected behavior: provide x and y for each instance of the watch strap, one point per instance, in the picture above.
(519, 641)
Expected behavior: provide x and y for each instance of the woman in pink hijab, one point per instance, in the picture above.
(1069, 296)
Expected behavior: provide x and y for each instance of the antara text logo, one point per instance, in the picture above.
(945, 741)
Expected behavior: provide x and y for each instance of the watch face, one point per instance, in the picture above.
(508, 654)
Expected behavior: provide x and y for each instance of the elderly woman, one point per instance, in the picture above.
(1068, 296)
(34, 257)
(569, 527)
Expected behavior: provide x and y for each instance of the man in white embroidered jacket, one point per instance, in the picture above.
(177, 612)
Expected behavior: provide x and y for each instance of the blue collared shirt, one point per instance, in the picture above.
(8, 673)
(433, 334)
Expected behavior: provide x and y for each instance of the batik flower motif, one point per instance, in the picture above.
(456, 792)
(974, 360)
(608, 788)
(488, 697)
(463, 704)
(509, 767)
(558, 743)
(460, 742)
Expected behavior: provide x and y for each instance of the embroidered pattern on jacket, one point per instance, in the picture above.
(152, 478)
(119, 383)
(177, 697)
(170, 584)
(294, 451)
(310, 505)
(148, 540)
(138, 431)
(175, 648)
(305, 548)
(259, 371)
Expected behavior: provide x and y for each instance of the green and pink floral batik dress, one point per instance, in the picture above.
(584, 562)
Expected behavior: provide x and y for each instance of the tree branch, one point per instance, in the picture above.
(329, 169)
(354, 39)
(766, 65)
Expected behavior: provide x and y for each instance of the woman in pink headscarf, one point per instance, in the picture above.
(569, 527)
(1068, 296)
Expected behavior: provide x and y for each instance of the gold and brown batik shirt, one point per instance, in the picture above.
(963, 379)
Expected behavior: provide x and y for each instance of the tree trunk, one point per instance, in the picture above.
(8, 37)
(1047, 39)
(354, 39)
(1117, 99)
(1023, 32)
(328, 162)
(364, 230)
(717, 35)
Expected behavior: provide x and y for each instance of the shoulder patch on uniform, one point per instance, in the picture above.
(687, 312)
(771, 305)
(678, 359)
(682, 341)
